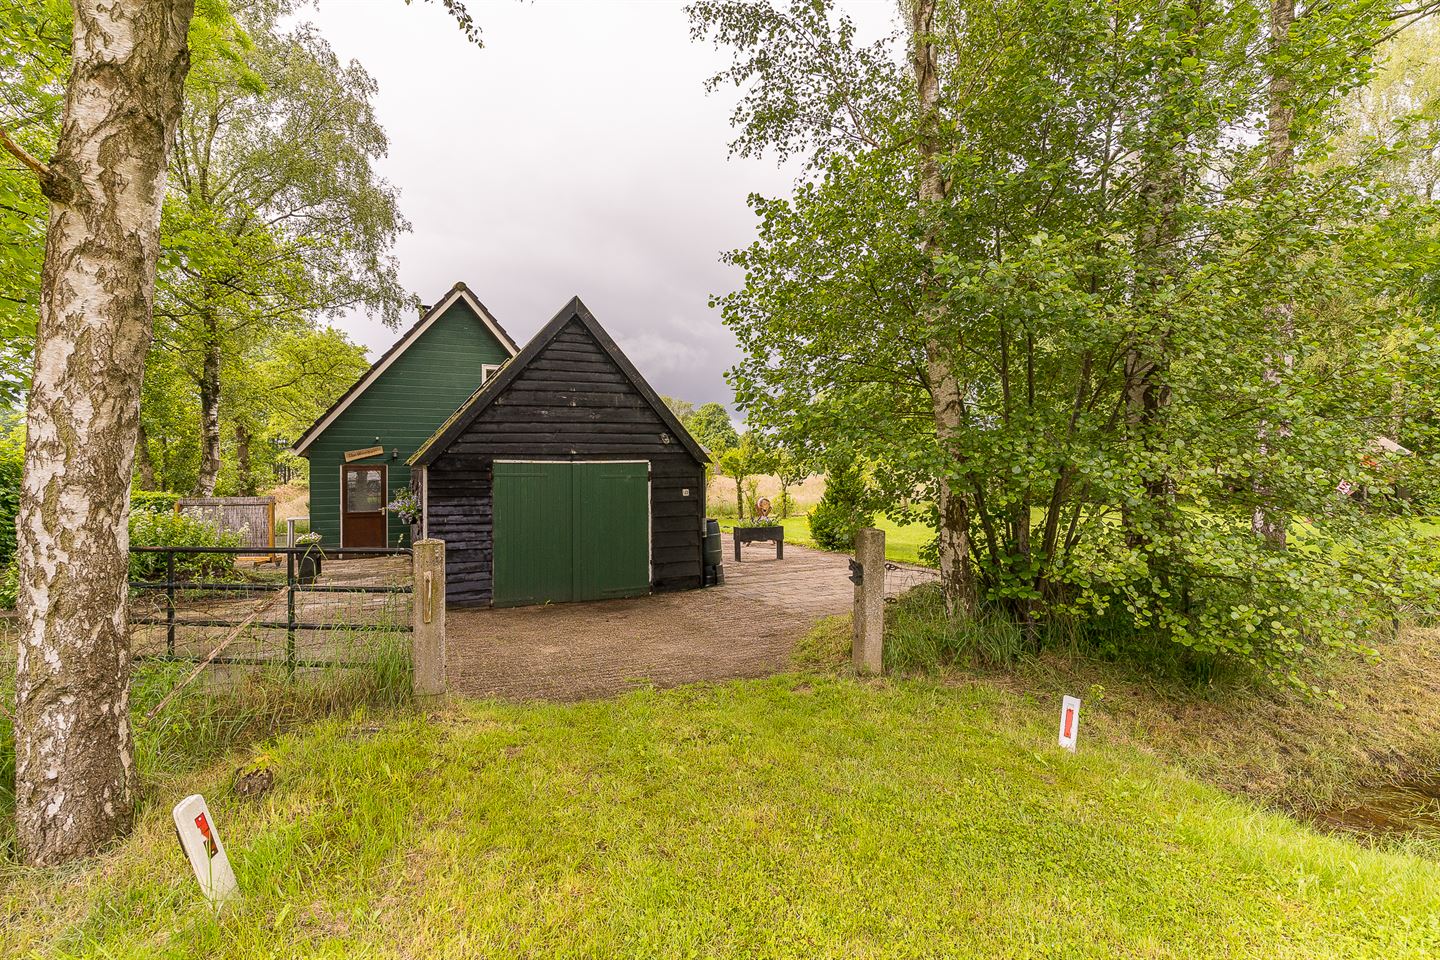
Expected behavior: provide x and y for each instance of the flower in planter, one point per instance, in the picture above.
(406, 505)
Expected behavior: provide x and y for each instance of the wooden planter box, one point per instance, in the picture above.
(775, 534)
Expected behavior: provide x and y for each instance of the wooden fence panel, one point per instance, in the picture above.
(252, 516)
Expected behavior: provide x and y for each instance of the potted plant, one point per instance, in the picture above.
(406, 506)
(309, 567)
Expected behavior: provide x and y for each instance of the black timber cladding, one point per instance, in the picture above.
(569, 395)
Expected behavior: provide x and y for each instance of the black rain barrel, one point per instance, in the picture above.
(714, 571)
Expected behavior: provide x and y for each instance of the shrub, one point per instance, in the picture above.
(920, 637)
(149, 529)
(153, 501)
(843, 510)
(10, 584)
(12, 465)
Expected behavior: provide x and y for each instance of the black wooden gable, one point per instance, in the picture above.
(536, 396)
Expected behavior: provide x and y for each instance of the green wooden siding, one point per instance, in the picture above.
(571, 531)
(403, 407)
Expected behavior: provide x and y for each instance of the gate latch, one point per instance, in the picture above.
(857, 572)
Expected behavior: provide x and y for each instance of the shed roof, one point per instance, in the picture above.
(456, 293)
(575, 310)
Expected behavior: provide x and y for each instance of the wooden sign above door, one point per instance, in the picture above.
(362, 454)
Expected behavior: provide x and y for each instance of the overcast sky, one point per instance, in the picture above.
(575, 153)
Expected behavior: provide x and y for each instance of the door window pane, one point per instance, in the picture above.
(365, 490)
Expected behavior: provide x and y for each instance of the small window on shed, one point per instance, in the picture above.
(488, 370)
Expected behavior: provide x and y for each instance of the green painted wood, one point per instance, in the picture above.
(612, 530)
(409, 401)
(534, 557)
(570, 531)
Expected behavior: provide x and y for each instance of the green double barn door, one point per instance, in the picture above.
(570, 531)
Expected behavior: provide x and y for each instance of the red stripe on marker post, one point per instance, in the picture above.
(1069, 722)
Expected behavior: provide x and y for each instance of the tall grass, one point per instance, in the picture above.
(228, 708)
(921, 638)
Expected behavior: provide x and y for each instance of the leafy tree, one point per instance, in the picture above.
(1036, 269)
(276, 216)
(742, 461)
(295, 380)
(791, 468)
(843, 509)
(711, 427)
(681, 408)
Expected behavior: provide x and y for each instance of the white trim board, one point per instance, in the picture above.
(415, 333)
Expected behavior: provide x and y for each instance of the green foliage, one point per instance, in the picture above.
(710, 425)
(1103, 283)
(161, 529)
(682, 409)
(12, 467)
(153, 501)
(921, 636)
(301, 232)
(844, 508)
(10, 584)
(742, 461)
(34, 60)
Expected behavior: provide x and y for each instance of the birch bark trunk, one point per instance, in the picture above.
(74, 773)
(957, 577)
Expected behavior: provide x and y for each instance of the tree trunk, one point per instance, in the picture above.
(209, 412)
(242, 460)
(1162, 188)
(74, 770)
(143, 464)
(1267, 521)
(957, 577)
(739, 497)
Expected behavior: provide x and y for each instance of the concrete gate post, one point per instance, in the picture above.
(869, 618)
(427, 643)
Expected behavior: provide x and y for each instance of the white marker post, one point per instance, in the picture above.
(1069, 722)
(201, 843)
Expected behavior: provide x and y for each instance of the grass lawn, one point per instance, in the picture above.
(902, 544)
(800, 816)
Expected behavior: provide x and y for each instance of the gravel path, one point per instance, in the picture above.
(574, 651)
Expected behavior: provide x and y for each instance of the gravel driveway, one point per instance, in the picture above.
(574, 651)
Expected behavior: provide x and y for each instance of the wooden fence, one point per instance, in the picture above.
(252, 516)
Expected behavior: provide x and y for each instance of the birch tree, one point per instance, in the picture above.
(104, 186)
(74, 768)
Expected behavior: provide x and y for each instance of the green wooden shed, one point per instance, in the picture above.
(358, 450)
